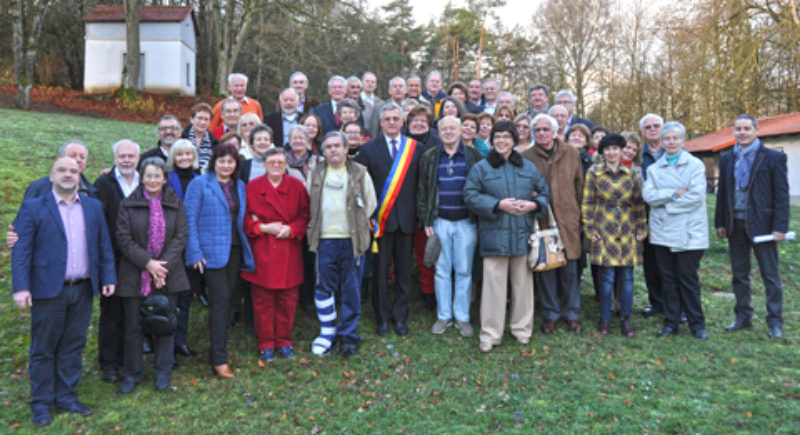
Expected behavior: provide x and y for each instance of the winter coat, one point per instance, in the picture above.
(133, 224)
(428, 183)
(677, 222)
(563, 172)
(493, 179)
(613, 208)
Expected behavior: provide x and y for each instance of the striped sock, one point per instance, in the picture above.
(326, 312)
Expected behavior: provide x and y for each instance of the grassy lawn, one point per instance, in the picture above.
(422, 382)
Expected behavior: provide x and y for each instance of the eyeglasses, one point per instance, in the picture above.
(167, 127)
(652, 126)
(542, 130)
(274, 163)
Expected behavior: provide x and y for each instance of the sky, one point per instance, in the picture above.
(514, 12)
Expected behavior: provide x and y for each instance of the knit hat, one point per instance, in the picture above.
(611, 139)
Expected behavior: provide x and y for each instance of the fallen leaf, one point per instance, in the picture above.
(14, 426)
(611, 376)
(304, 362)
(749, 414)
(627, 402)
(261, 363)
(734, 361)
(658, 362)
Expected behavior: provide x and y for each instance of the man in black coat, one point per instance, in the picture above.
(112, 187)
(396, 243)
(169, 130)
(753, 200)
(283, 120)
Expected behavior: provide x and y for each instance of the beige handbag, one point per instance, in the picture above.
(547, 248)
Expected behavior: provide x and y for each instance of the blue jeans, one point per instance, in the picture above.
(607, 277)
(458, 239)
(337, 269)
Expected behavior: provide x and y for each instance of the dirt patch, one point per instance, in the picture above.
(147, 109)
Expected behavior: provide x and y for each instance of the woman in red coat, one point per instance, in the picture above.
(276, 221)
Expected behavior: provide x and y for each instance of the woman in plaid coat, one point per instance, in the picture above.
(614, 222)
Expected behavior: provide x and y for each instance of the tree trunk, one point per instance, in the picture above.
(27, 16)
(130, 76)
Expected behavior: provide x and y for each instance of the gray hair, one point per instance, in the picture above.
(288, 90)
(650, 115)
(301, 129)
(156, 161)
(353, 79)
(557, 106)
(450, 117)
(490, 79)
(432, 73)
(180, 146)
(566, 92)
(297, 73)
(674, 127)
(331, 134)
(369, 73)
(413, 76)
(170, 117)
(409, 102)
(336, 77)
(747, 116)
(236, 75)
(62, 150)
(548, 118)
(123, 141)
(275, 151)
(228, 101)
(396, 78)
(389, 105)
(347, 102)
(504, 93)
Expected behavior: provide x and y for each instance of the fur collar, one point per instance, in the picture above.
(496, 160)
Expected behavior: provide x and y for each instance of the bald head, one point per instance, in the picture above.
(65, 175)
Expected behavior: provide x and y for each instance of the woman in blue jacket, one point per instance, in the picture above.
(217, 246)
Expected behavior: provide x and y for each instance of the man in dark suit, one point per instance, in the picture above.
(283, 120)
(62, 257)
(299, 82)
(475, 96)
(112, 187)
(566, 98)
(337, 87)
(169, 130)
(396, 244)
(753, 200)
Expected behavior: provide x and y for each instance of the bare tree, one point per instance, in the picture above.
(130, 76)
(27, 16)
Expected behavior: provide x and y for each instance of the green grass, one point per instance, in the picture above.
(424, 383)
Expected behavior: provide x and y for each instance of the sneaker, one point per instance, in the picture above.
(464, 328)
(286, 352)
(268, 355)
(441, 325)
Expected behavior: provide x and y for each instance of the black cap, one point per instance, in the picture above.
(611, 139)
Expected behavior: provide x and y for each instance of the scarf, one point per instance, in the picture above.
(673, 159)
(226, 187)
(299, 163)
(744, 162)
(155, 236)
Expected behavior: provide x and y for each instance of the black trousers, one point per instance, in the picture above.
(163, 352)
(398, 247)
(110, 333)
(652, 277)
(221, 283)
(767, 256)
(58, 336)
(681, 286)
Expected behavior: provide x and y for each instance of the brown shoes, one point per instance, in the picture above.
(224, 371)
(627, 327)
(603, 326)
(575, 326)
(548, 326)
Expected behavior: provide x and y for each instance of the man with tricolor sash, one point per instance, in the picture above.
(391, 160)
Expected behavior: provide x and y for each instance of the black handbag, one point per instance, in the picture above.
(157, 317)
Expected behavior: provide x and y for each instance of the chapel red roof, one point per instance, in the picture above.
(787, 123)
(115, 13)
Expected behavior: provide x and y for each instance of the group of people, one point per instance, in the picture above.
(325, 205)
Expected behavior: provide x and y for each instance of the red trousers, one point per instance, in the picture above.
(273, 315)
(426, 274)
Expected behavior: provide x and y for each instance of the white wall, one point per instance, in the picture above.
(789, 144)
(165, 57)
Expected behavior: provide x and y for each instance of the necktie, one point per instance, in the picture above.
(394, 148)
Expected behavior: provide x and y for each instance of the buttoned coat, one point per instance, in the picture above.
(563, 172)
(133, 224)
(209, 221)
(767, 194)
(677, 222)
(613, 208)
(39, 259)
(279, 262)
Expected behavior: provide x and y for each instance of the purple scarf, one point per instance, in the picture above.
(155, 236)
